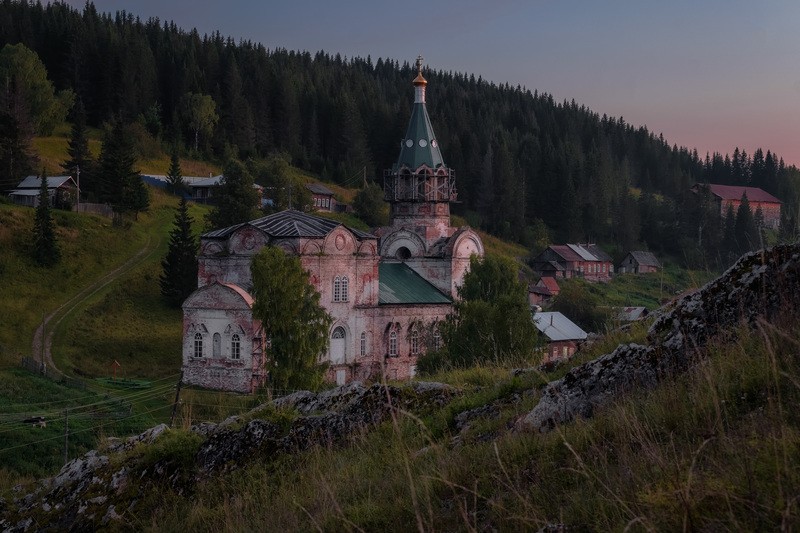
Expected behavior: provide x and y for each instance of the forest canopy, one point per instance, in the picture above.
(522, 159)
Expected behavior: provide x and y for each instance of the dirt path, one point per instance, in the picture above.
(51, 321)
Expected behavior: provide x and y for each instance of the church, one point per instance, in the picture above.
(385, 291)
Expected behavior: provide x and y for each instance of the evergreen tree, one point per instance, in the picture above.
(237, 199)
(179, 277)
(123, 187)
(292, 318)
(80, 158)
(174, 176)
(45, 247)
(370, 207)
(730, 248)
(745, 227)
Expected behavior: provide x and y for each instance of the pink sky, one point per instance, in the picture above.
(711, 75)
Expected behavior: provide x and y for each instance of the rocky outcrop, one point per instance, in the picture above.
(97, 489)
(760, 284)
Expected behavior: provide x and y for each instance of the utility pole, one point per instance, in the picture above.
(66, 434)
(78, 172)
(177, 398)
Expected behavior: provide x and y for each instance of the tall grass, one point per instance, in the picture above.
(715, 449)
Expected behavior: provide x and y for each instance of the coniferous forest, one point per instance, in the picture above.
(529, 168)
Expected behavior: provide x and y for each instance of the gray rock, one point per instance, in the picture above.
(760, 284)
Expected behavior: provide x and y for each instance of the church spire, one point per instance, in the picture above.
(419, 83)
(419, 146)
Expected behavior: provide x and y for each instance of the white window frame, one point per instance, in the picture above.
(414, 342)
(236, 346)
(198, 345)
(393, 343)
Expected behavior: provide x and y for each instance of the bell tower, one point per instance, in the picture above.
(419, 187)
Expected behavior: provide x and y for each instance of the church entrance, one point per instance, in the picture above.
(338, 346)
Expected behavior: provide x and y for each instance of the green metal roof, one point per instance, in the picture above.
(401, 285)
(424, 148)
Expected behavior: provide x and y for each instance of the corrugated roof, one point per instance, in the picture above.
(598, 252)
(401, 285)
(645, 258)
(33, 182)
(288, 224)
(735, 192)
(585, 254)
(318, 188)
(549, 282)
(557, 327)
(566, 252)
(26, 192)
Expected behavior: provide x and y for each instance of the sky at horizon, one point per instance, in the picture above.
(710, 75)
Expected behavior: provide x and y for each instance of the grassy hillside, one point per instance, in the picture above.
(713, 449)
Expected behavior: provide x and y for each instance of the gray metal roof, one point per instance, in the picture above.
(33, 182)
(318, 188)
(288, 224)
(645, 258)
(557, 327)
(25, 192)
(585, 254)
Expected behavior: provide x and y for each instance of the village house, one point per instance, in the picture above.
(61, 190)
(731, 195)
(639, 262)
(563, 336)
(587, 261)
(385, 292)
(543, 291)
(321, 197)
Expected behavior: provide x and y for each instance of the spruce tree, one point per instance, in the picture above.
(745, 227)
(237, 199)
(80, 158)
(174, 176)
(45, 246)
(122, 187)
(179, 277)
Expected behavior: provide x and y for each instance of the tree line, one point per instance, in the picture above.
(529, 168)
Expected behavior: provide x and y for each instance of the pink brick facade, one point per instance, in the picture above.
(379, 327)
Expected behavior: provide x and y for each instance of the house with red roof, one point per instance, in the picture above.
(731, 195)
(587, 261)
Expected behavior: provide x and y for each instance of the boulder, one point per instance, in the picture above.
(760, 284)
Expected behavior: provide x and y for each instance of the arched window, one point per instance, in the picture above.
(217, 346)
(437, 339)
(198, 345)
(345, 288)
(393, 343)
(414, 342)
(338, 333)
(236, 347)
(363, 343)
(337, 289)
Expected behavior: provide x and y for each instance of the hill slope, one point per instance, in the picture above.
(714, 448)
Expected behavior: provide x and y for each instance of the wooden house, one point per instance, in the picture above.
(543, 291)
(639, 262)
(62, 191)
(588, 261)
(562, 335)
(731, 195)
(321, 197)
